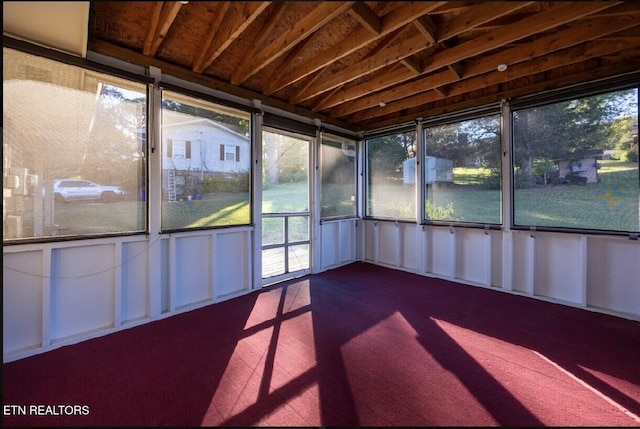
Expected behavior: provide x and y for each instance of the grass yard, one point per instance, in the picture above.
(611, 204)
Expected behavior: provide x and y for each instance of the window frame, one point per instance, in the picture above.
(111, 76)
(400, 129)
(588, 89)
(492, 109)
(207, 102)
(337, 137)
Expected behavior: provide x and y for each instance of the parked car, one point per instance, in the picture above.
(81, 189)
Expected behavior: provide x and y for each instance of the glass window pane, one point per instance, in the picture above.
(206, 153)
(575, 163)
(298, 257)
(298, 228)
(285, 172)
(391, 168)
(272, 230)
(273, 262)
(338, 177)
(462, 171)
(63, 123)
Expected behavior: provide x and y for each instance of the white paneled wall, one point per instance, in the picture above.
(65, 292)
(599, 273)
(338, 241)
(61, 293)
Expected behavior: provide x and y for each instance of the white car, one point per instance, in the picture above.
(81, 189)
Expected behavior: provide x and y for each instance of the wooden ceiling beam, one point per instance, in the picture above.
(589, 29)
(477, 16)
(412, 64)
(572, 55)
(425, 25)
(220, 10)
(164, 13)
(367, 17)
(230, 29)
(463, 23)
(591, 73)
(456, 69)
(277, 11)
(359, 38)
(386, 57)
(558, 15)
(323, 13)
(434, 80)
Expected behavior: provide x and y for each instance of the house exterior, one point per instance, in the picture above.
(194, 148)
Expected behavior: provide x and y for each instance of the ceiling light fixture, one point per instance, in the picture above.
(502, 67)
(382, 104)
(184, 2)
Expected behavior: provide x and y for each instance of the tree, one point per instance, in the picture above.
(566, 130)
(235, 123)
(386, 154)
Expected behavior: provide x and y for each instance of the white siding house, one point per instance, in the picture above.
(201, 145)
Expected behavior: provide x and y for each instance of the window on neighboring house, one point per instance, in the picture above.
(462, 171)
(68, 122)
(178, 148)
(575, 163)
(229, 152)
(201, 187)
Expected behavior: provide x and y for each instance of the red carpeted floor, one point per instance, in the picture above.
(360, 345)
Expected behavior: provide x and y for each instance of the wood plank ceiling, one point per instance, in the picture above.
(365, 65)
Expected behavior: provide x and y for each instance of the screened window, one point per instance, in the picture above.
(391, 176)
(178, 148)
(229, 152)
(575, 163)
(462, 171)
(338, 177)
(201, 187)
(73, 154)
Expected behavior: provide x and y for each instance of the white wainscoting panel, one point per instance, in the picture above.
(442, 248)
(192, 269)
(613, 274)
(83, 289)
(233, 261)
(23, 282)
(347, 240)
(389, 243)
(135, 281)
(474, 255)
(523, 261)
(411, 247)
(558, 270)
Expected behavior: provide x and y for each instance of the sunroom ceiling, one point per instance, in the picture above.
(364, 65)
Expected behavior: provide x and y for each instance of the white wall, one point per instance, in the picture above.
(598, 273)
(61, 293)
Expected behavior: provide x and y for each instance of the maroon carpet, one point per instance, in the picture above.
(360, 345)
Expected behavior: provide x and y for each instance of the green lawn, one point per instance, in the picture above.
(611, 204)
